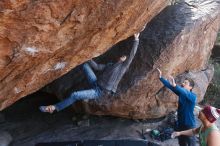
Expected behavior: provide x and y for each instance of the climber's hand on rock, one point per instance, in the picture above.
(143, 27)
(159, 72)
(172, 81)
(136, 36)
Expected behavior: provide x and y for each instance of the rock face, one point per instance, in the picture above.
(166, 99)
(179, 41)
(5, 138)
(42, 40)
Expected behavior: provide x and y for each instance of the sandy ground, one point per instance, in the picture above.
(28, 126)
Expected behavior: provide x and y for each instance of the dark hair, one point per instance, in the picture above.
(191, 82)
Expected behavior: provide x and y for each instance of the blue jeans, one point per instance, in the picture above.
(92, 93)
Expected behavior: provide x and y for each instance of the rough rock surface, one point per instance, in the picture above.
(167, 101)
(28, 126)
(42, 40)
(178, 40)
(5, 138)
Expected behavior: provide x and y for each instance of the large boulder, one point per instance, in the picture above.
(42, 40)
(178, 41)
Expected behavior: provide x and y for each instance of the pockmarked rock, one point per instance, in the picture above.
(179, 41)
(42, 40)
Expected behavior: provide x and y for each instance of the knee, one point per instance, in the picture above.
(85, 65)
(74, 96)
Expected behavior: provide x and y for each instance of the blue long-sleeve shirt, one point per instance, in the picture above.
(187, 101)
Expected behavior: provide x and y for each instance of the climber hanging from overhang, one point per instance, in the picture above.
(106, 84)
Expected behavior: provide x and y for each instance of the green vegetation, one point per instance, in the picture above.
(212, 96)
(218, 39)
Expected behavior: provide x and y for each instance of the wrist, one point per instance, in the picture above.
(193, 132)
